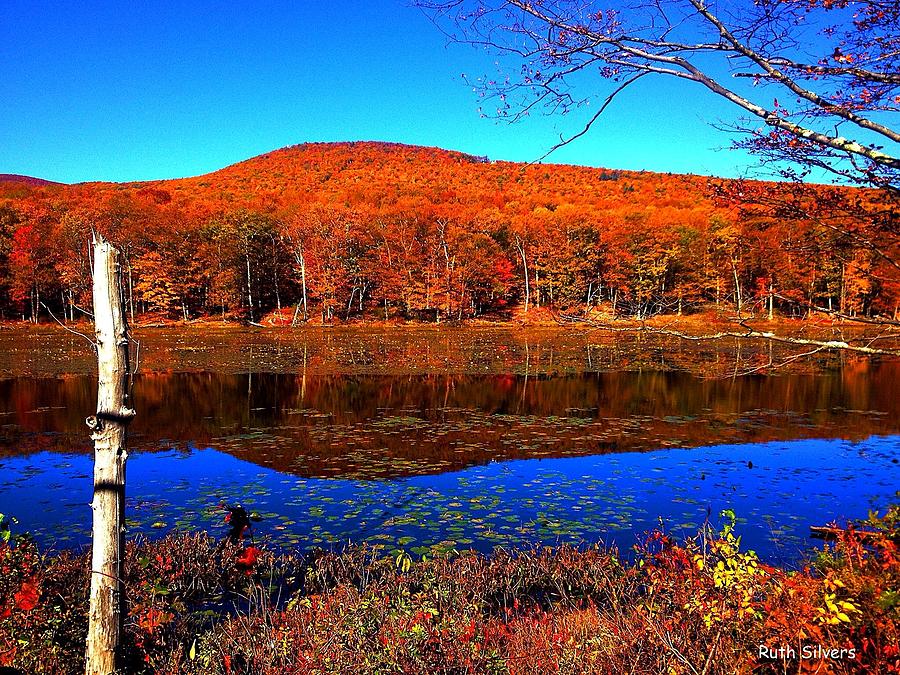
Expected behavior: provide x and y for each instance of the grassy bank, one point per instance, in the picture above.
(703, 605)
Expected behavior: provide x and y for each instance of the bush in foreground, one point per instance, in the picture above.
(700, 606)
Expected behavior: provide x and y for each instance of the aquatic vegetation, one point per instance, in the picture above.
(610, 498)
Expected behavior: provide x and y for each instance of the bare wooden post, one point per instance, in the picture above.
(108, 433)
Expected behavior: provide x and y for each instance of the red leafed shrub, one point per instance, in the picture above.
(151, 619)
(248, 557)
(198, 606)
(37, 624)
(27, 596)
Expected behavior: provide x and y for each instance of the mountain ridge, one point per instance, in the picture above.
(370, 150)
(27, 180)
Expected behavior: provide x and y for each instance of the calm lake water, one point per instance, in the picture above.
(434, 461)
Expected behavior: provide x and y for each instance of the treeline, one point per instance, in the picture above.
(336, 231)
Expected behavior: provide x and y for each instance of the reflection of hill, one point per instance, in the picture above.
(400, 425)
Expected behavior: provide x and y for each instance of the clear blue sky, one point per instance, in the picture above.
(141, 90)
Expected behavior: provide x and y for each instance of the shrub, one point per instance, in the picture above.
(196, 605)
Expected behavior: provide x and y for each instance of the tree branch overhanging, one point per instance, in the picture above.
(569, 38)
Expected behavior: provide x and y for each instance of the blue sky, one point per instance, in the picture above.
(133, 91)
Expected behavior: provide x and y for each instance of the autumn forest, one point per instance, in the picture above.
(337, 231)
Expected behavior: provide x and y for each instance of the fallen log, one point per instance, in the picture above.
(748, 334)
(831, 533)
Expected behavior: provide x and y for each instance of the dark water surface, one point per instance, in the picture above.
(435, 461)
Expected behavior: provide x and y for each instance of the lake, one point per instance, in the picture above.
(430, 440)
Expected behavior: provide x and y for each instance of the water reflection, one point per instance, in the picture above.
(778, 490)
(429, 462)
(381, 426)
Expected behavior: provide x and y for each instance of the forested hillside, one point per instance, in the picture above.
(343, 230)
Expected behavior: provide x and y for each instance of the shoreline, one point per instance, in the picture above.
(539, 318)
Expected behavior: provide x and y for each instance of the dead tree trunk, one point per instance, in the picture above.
(108, 433)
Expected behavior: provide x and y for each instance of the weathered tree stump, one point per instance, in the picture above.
(108, 427)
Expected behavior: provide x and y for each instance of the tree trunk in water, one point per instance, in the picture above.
(105, 614)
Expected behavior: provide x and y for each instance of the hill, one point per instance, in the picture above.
(27, 180)
(370, 229)
(384, 175)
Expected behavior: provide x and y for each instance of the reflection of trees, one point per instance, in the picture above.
(395, 425)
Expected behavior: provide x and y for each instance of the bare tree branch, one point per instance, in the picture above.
(748, 334)
(590, 123)
(557, 40)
